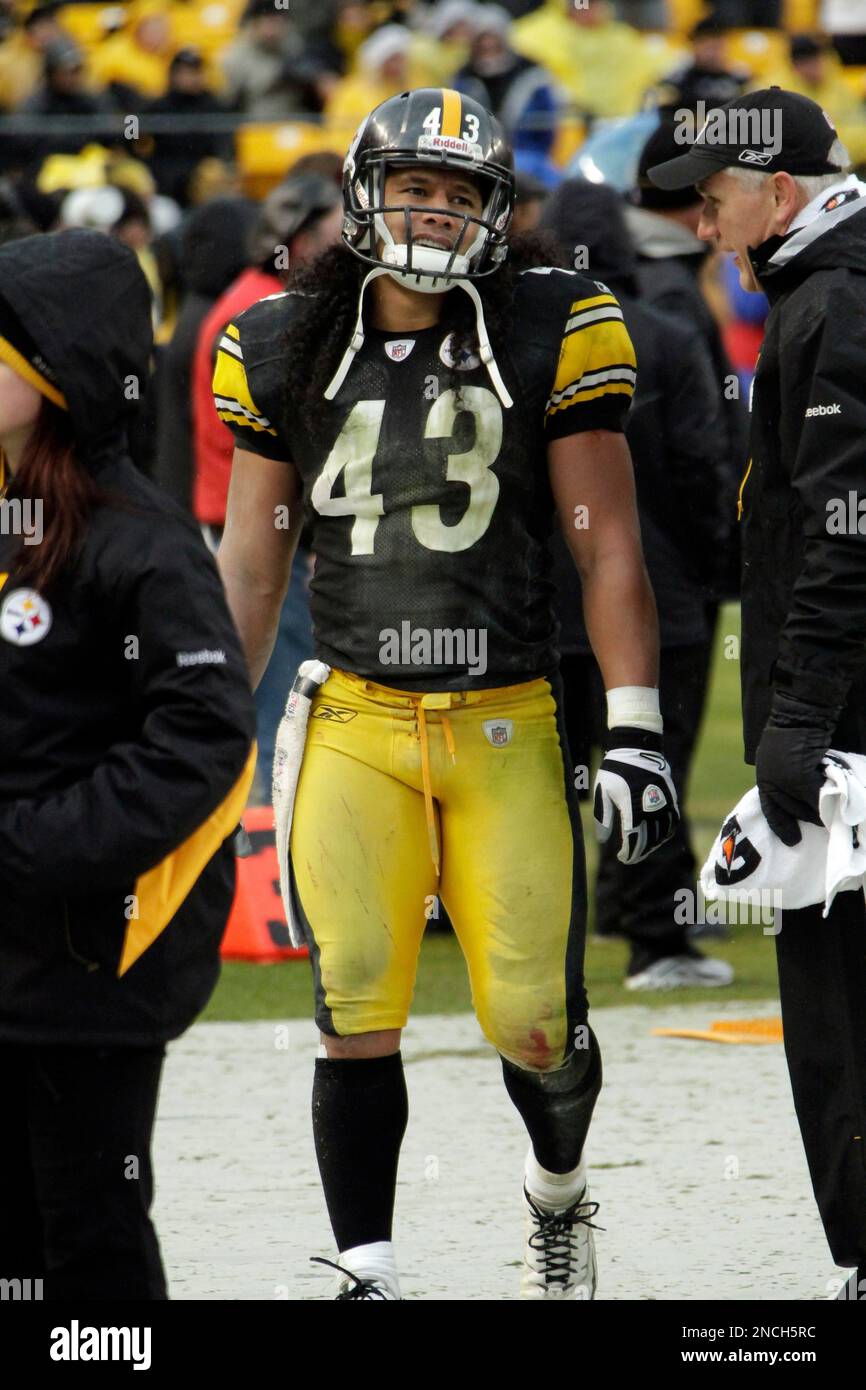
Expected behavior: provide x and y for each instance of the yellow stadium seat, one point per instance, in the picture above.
(265, 153)
(762, 51)
(86, 24)
(570, 135)
(207, 27)
(685, 14)
(801, 16)
(855, 78)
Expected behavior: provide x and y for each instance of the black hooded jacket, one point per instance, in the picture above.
(673, 429)
(126, 725)
(804, 573)
(670, 262)
(214, 244)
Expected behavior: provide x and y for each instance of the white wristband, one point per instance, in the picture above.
(634, 705)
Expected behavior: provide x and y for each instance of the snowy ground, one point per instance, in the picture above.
(694, 1156)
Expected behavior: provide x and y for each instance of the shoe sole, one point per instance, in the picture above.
(638, 983)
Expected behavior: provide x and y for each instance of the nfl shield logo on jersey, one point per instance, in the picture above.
(498, 731)
(399, 348)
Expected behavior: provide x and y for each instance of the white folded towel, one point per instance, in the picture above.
(748, 859)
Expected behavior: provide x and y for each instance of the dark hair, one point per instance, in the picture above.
(325, 162)
(49, 473)
(710, 27)
(322, 326)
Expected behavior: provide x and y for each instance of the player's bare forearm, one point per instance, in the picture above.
(263, 522)
(593, 485)
(620, 614)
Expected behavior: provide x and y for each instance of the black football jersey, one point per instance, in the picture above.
(430, 503)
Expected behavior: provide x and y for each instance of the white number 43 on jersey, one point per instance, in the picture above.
(355, 449)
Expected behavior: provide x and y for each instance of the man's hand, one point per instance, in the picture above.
(635, 798)
(788, 764)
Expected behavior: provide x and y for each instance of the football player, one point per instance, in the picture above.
(434, 400)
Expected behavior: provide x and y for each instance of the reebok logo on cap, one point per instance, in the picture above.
(755, 156)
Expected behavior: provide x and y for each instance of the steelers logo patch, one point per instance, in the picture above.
(459, 359)
(25, 618)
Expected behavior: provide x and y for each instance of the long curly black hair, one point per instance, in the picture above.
(330, 285)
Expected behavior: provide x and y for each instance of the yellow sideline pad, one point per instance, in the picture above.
(727, 1030)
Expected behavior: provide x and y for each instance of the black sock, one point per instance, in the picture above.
(360, 1110)
(556, 1106)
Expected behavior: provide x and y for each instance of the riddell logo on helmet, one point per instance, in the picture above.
(453, 143)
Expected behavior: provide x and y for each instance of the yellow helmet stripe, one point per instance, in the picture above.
(452, 112)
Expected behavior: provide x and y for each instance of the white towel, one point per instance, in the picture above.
(748, 859)
(288, 756)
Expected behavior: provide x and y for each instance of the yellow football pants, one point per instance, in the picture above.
(463, 796)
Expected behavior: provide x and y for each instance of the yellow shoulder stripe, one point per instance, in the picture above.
(232, 398)
(595, 361)
(592, 303)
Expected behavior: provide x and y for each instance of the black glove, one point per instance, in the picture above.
(788, 763)
(635, 798)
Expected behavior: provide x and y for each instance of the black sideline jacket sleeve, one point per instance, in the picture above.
(822, 641)
(694, 485)
(197, 724)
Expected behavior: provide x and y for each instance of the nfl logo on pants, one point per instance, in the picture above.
(498, 731)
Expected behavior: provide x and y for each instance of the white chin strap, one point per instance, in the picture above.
(426, 277)
(432, 266)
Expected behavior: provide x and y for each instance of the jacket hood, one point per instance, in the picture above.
(833, 240)
(214, 245)
(84, 300)
(658, 237)
(591, 215)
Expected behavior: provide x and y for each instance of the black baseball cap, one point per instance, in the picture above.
(661, 146)
(800, 132)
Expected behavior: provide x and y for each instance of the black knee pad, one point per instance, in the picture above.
(556, 1106)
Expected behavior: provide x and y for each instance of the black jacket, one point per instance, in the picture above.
(126, 729)
(804, 585)
(674, 436)
(213, 251)
(670, 264)
(674, 431)
(176, 153)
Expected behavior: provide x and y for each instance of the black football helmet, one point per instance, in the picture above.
(429, 126)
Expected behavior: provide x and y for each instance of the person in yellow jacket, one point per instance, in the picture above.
(138, 56)
(604, 66)
(382, 70)
(814, 71)
(22, 55)
(443, 49)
